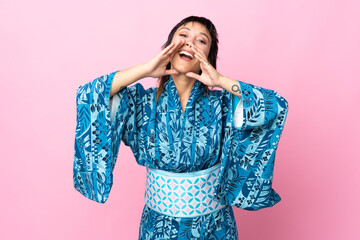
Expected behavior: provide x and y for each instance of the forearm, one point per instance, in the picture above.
(230, 85)
(126, 77)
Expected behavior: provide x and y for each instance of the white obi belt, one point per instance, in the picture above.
(182, 194)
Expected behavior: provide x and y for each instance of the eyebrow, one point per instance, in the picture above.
(200, 32)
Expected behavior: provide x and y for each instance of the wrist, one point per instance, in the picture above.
(221, 82)
(144, 70)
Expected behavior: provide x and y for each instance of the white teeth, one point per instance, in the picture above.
(187, 54)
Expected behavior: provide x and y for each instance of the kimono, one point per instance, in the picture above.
(242, 134)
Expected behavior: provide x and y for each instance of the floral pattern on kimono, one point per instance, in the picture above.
(240, 133)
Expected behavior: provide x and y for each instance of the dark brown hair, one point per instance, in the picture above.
(212, 53)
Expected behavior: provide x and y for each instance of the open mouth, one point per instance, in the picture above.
(186, 56)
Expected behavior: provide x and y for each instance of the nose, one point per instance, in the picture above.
(190, 40)
(189, 44)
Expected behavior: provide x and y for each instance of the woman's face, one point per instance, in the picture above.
(198, 35)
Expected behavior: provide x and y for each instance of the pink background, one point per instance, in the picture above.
(308, 51)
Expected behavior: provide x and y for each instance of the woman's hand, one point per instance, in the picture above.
(156, 67)
(209, 76)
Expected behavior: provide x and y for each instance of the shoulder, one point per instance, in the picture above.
(139, 93)
(139, 88)
(218, 94)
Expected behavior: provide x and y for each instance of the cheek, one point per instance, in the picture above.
(205, 50)
(206, 54)
(175, 39)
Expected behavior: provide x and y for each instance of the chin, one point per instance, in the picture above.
(183, 69)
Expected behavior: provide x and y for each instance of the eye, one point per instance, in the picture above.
(183, 35)
(202, 41)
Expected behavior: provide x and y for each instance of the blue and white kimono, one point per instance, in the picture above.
(240, 134)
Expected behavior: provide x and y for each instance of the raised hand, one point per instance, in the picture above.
(156, 67)
(209, 76)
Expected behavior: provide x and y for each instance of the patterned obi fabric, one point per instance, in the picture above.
(182, 194)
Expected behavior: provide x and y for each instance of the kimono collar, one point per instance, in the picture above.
(196, 91)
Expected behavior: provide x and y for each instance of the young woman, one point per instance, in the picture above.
(205, 150)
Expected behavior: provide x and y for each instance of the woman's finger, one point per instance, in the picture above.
(194, 75)
(175, 48)
(197, 50)
(200, 55)
(201, 59)
(165, 50)
(171, 71)
(170, 48)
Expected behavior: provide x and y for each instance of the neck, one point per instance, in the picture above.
(183, 84)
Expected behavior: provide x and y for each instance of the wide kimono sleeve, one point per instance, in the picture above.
(101, 124)
(252, 126)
